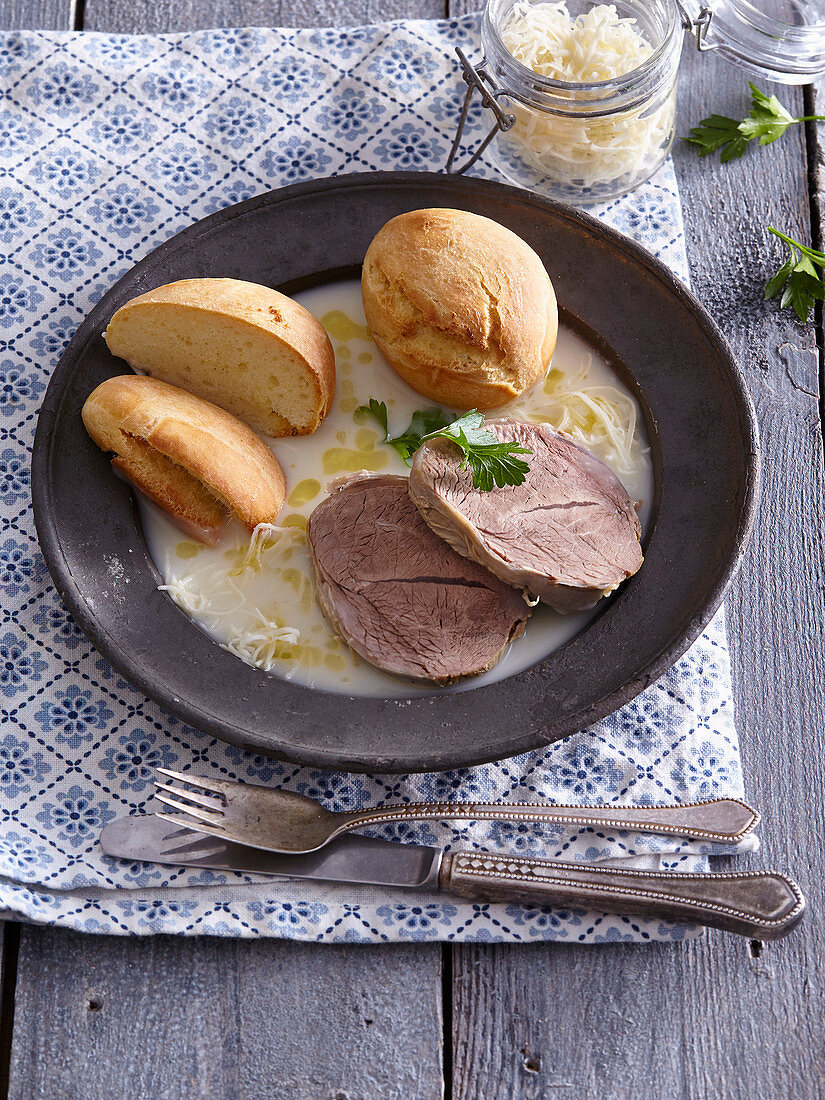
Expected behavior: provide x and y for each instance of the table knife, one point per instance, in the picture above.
(759, 904)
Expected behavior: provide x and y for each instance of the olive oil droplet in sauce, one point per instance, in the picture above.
(552, 379)
(295, 519)
(340, 460)
(342, 327)
(187, 549)
(304, 492)
(365, 440)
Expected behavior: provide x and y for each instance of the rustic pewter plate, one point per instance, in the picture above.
(700, 424)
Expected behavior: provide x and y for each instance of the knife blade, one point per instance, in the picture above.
(758, 904)
(348, 859)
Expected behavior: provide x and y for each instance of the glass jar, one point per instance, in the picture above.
(590, 142)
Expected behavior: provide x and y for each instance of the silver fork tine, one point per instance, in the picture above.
(211, 819)
(208, 801)
(195, 826)
(216, 785)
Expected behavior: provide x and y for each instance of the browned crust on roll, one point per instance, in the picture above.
(460, 306)
(240, 310)
(190, 457)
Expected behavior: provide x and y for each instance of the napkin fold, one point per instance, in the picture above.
(110, 144)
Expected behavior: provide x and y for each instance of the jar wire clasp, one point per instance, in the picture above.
(478, 78)
(698, 26)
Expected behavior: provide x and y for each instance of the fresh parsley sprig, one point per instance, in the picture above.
(767, 120)
(423, 422)
(800, 280)
(491, 460)
(378, 410)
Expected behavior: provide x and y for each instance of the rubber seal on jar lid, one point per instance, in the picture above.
(779, 40)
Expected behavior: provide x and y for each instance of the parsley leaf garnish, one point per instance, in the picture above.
(767, 120)
(491, 460)
(378, 409)
(800, 280)
(423, 423)
(718, 132)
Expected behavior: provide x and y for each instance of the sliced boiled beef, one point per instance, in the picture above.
(398, 594)
(568, 535)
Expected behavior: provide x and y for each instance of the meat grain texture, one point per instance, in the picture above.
(402, 598)
(568, 535)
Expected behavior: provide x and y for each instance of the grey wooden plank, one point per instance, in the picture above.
(104, 1017)
(708, 1019)
(160, 16)
(45, 15)
(9, 939)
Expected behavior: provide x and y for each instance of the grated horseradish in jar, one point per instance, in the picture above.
(593, 93)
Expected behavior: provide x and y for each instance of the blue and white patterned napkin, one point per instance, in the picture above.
(109, 145)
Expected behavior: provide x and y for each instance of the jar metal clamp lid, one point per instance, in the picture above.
(779, 40)
(478, 79)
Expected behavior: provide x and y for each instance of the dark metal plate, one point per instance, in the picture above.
(705, 459)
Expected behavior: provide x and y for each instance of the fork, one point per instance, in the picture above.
(281, 821)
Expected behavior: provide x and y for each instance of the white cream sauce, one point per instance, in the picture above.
(262, 607)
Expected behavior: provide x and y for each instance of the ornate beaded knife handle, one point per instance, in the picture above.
(760, 904)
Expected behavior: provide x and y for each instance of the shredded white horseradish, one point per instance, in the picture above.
(601, 418)
(591, 48)
(183, 595)
(263, 642)
(215, 593)
(263, 537)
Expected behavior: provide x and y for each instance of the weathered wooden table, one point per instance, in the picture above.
(88, 1017)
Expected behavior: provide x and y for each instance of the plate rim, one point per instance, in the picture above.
(394, 762)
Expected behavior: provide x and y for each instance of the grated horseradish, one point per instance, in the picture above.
(594, 413)
(571, 147)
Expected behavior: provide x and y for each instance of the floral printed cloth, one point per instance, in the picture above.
(109, 145)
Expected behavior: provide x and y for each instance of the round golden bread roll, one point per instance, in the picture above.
(196, 461)
(246, 347)
(461, 307)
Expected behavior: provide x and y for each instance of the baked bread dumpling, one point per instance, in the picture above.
(461, 307)
(197, 462)
(243, 346)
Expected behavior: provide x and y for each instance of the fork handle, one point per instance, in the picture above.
(724, 819)
(760, 904)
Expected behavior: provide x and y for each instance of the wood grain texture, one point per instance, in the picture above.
(708, 1019)
(161, 16)
(9, 940)
(44, 15)
(99, 1018)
